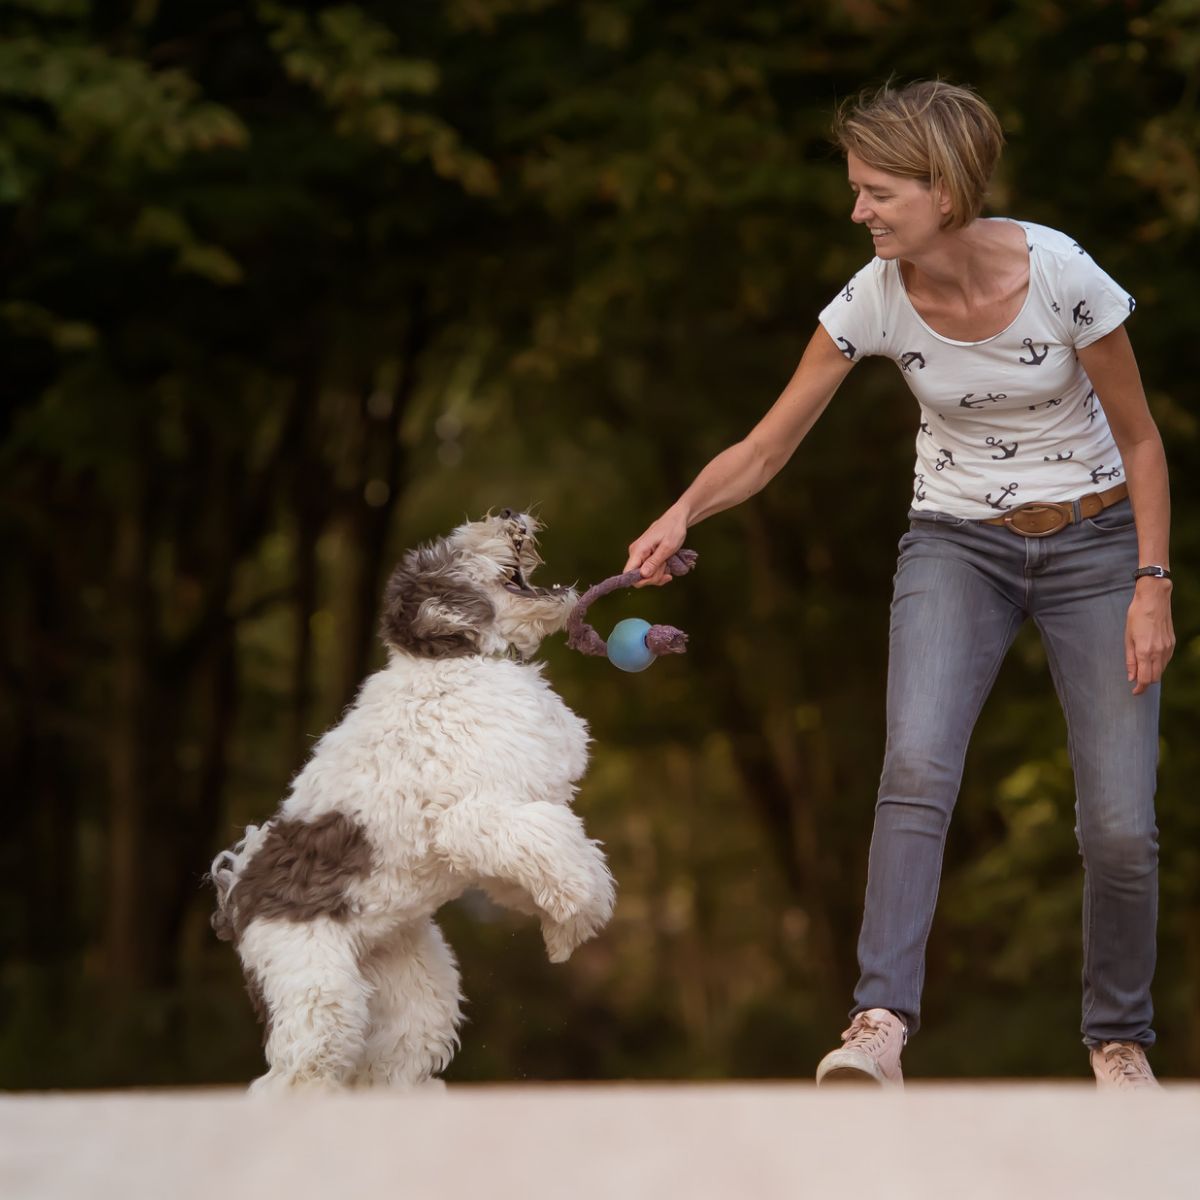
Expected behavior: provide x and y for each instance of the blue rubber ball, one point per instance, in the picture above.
(627, 645)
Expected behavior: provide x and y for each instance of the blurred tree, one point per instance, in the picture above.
(289, 287)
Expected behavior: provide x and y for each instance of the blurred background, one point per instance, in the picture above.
(288, 288)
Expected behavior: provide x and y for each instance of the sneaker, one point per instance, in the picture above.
(1122, 1065)
(870, 1051)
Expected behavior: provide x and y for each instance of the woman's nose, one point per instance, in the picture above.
(862, 210)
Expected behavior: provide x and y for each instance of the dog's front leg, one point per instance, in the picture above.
(542, 849)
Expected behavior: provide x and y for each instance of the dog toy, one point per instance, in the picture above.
(634, 644)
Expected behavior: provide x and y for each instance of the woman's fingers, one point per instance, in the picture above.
(651, 567)
(1149, 645)
(650, 552)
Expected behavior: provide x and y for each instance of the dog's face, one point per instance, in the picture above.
(470, 593)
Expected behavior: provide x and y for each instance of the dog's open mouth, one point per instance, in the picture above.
(527, 560)
(520, 586)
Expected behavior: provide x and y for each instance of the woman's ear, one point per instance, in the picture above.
(945, 202)
(430, 609)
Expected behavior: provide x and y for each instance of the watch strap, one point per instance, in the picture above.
(1158, 572)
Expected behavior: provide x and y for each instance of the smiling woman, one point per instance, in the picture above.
(942, 136)
(1033, 423)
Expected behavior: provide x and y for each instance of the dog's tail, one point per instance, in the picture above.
(226, 869)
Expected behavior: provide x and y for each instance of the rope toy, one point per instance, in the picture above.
(633, 644)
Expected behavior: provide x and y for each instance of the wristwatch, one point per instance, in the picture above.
(1156, 571)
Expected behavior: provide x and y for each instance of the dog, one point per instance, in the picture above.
(454, 768)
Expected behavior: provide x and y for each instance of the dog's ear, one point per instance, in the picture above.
(430, 609)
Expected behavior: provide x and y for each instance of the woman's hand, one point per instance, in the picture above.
(655, 546)
(1149, 634)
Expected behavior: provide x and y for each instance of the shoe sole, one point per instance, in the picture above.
(848, 1075)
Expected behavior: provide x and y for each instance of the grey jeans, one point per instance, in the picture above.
(962, 590)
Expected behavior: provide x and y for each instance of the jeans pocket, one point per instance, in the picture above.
(1114, 519)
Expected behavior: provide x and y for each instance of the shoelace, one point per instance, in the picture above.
(1124, 1063)
(862, 1032)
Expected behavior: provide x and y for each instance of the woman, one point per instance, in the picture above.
(1035, 450)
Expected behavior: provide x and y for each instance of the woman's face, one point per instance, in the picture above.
(904, 216)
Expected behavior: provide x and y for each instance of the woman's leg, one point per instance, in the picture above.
(956, 609)
(1080, 606)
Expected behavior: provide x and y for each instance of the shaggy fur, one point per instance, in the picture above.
(454, 768)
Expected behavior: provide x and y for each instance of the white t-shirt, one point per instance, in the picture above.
(1010, 419)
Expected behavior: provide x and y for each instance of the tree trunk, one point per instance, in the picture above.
(132, 620)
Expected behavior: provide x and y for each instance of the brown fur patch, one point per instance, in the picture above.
(429, 609)
(222, 925)
(301, 871)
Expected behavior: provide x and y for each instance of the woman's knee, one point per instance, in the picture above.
(1124, 851)
(916, 779)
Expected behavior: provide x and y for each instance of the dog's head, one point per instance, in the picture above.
(469, 593)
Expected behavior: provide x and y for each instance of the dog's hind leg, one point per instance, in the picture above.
(414, 1007)
(315, 999)
(541, 848)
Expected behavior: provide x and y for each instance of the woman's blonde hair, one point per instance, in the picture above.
(930, 131)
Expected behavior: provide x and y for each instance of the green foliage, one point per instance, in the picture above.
(289, 288)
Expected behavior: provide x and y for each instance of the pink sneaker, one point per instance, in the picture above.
(1122, 1065)
(870, 1051)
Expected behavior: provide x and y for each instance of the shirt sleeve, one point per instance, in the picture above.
(1093, 303)
(854, 317)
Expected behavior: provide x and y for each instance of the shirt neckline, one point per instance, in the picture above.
(912, 308)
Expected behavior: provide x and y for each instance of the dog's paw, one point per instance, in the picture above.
(586, 896)
(561, 938)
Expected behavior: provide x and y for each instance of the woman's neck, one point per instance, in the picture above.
(967, 263)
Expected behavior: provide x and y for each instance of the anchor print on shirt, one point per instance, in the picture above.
(919, 488)
(945, 459)
(925, 428)
(1007, 450)
(1059, 457)
(848, 294)
(1004, 495)
(912, 356)
(1099, 473)
(1054, 306)
(1035, 359)
(1079, 247)
(848, 348)
(968, 400)
(1081, 314)
(1090, 401)
(1054, 403)
(1132, 303)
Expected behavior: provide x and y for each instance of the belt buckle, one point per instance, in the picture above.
(1034, 509)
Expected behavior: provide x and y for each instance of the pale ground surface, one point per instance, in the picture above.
(751, 1141)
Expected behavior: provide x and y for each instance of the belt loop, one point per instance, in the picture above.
(1077, 511)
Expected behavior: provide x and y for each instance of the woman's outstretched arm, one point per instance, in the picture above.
(746, 467)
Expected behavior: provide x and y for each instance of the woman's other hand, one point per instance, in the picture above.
(1149, 633)
(650, 552)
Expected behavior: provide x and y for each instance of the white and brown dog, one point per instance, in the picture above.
(454, 768)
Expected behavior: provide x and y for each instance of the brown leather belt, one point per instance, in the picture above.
(1041, 519)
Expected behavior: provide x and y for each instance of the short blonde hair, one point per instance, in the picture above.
(931, 131)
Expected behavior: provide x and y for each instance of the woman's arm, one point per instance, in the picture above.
(747, 467)
(1113, 370)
